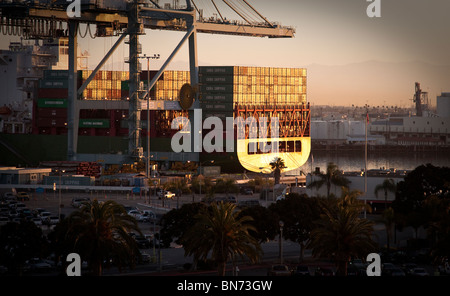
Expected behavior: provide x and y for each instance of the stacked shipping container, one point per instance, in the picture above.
(50, 112)
(106, 85)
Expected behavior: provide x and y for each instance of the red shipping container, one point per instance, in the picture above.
(51, 122)
(52, 93)
(52, 112)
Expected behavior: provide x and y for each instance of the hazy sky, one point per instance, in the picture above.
(328, 32)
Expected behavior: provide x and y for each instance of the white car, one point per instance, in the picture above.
(169, 194)
(44, 216)
(37, 221)
(53, 220)
(148, 215)
(136, 214)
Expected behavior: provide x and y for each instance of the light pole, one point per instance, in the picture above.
(155, 57)
(200, 173)
(264, 186)
(281, 223)
(60, 185)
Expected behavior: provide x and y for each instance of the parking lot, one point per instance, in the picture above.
(43, 210)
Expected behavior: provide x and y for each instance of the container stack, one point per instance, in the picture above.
(51, 111)
(91, 169)
(72, 168)
(216, 91)
(106, 85)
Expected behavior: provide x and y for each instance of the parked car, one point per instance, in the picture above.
(13, 214)
(396, 272)
(148, 215)
(136, 215)
(419, 271)
(78, 202)
(301, 270)
(408, 268)
(279, 270)
(37, 212)
(358, 263)
(52, 220)
(23, 196)
(142, 242)
(20, 206)
(324, 271)
(8, 196)
(386, 268)
(37, 264)
(4, 220)
(44, 216)
(225, 199)
(247, 191)
(37, 221)
(444, 266)
(169, 194)
(249, 203)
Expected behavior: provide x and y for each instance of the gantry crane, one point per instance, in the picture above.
(48, 18)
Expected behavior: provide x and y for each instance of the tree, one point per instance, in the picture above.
(340, 234)
(277, 166)
(176, 222)
(412, 193)
(223, 232)
(100, 233)
(388, 185)
(265, 222)
(226, 185)
(20, 242)
(438, 211)
(332, 176)
(298, 213)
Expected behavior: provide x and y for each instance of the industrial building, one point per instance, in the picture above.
(19, 176)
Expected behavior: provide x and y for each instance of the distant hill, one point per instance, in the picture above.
(375, 82)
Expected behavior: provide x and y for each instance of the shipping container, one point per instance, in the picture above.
(214, 106)
(51, 112)
(216, 70)
(53, 83)
(51, 122)
(212, 79)
(224, 89)
(95, 123)
(56, 74)
(69, 180)
(219, 98)
(52, 103)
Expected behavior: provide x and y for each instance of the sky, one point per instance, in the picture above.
(332, 36)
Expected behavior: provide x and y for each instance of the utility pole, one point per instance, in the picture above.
(155, 57)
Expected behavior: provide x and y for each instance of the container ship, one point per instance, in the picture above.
(34, 113)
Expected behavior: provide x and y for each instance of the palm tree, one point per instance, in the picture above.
(341, 234)
(388, 185)
(388, 219)
(222, 231)
(349, 200)
(277, 166)
(332, 176)
(100, 232)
